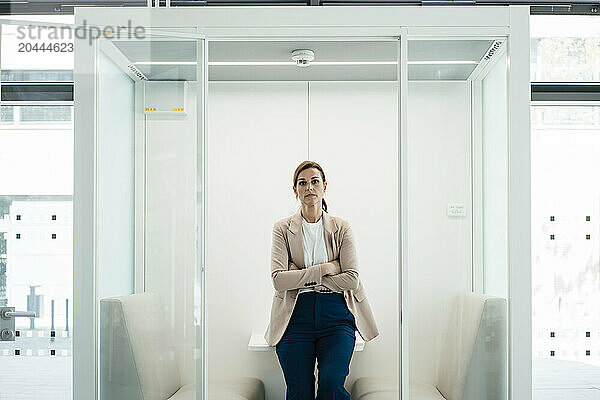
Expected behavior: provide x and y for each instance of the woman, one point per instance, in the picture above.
(319, 300)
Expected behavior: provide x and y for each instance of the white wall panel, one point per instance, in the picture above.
(115, 181)
(354, 137)
(257, 137)
(495, 180)
(44, 168)
(439, 246)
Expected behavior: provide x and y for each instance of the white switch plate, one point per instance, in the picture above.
(457, 210)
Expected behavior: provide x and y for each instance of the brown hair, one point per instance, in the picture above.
(306, 165)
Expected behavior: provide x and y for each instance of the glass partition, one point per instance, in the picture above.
(149, 202)
(457, 202)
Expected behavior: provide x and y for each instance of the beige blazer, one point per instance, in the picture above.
(289, 274)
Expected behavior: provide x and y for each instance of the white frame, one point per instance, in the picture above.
(519, 208)
(311, 23)
(403, 379)
(202, 165)
(140, 190)
(84, 229)
(477, 186)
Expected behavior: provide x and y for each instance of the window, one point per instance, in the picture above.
(565, 170)
(565, 49)
(36, 272)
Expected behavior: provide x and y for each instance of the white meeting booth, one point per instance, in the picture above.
(189, 126)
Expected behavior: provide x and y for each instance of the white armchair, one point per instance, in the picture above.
(472, 364)
(137, 359)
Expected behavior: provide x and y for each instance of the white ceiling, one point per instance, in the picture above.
(427, 59)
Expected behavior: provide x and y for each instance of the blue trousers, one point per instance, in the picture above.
(321, 328)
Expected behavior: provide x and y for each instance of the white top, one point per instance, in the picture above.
(315, 251)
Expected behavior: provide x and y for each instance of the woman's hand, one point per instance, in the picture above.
(331, 268)
(292, 267)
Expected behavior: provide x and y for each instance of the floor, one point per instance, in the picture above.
(565, 380)
(30, 376)
(49, 378)
(35, 378)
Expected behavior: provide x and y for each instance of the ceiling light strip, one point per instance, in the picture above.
(220, 63)
(266, 63)
(283, 63)
(441, 62)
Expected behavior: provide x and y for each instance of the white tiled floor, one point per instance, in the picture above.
(35, 374)
(565, 380)
(33, 378)
(49, 378)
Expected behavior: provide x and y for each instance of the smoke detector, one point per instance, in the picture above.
(303, 57)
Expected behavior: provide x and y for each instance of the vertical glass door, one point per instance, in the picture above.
(148, 141)
(457, 199)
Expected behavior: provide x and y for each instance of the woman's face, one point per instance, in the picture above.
(310, 187)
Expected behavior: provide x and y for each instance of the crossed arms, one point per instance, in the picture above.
(337, 275)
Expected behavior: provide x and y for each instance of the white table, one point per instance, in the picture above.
(258, 343)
